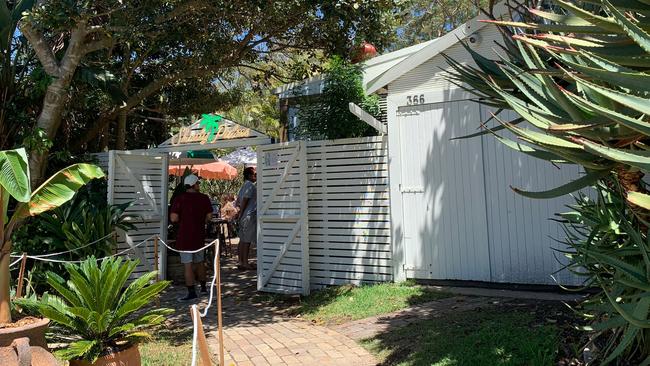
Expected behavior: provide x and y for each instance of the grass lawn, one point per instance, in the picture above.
(344, 303)
(168, 349)
(486, 337)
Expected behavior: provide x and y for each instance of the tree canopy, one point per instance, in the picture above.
(103, 65)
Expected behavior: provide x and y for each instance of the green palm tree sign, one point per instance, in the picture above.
(210, 124)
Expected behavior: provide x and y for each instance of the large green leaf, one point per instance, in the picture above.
(637, 81)
(637, 34)
(638, 158)
(639, 199)
(633, 123)
(59, 189)
(585, 181)
(14, 173)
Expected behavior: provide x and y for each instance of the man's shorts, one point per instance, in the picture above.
(248, 229)
(193, 257)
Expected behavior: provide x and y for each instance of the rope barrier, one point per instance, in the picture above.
(74, 249)
(189, 251)
(42, 259)
(16, 261)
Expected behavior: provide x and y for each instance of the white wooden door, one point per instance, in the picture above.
(282, 219)
(443, 193)
(141, 179)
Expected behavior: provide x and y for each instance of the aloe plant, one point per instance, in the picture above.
(14, 182)
(577, 75)
(95, 312)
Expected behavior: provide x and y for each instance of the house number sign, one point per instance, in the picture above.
(415, 99)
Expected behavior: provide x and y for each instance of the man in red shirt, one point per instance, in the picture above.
(191, 210)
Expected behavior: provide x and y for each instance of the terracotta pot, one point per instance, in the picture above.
(34, 331)
(127, 357)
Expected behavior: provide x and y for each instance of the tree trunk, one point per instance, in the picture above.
(56, 95)
(5, 308)
(49, 120)
(120, 144)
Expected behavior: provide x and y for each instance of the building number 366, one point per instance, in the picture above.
(415, 99)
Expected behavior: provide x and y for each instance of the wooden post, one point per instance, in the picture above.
(219, 313)
(202, 342)
(155, 264)
(21, 277)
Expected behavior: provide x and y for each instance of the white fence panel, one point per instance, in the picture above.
(282, 218)
(348, 213)
(140, 178)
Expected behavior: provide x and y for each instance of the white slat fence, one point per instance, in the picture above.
(347, 210)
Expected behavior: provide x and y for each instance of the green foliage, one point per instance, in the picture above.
(98, 310)
(577, 73)
(564, 74)
(423, 20)
(609, 248)
(14, 182)
(87, 218)
(482, 337)
(328, 116)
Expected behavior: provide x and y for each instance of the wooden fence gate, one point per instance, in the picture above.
(283, 219)
(141, 179)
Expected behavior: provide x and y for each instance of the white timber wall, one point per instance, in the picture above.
(454, 216)
(347, 210)
(141, 179)
(432, 74)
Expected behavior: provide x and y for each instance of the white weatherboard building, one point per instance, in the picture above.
(453, 215)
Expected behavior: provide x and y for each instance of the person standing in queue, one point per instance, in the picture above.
(247, 214)
(191, 210)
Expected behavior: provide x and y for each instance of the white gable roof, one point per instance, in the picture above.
(431, 49)
(382, 70)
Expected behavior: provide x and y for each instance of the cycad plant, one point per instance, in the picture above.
(97, 312)
(577, 74)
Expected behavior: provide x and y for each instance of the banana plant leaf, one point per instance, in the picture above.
(14, 174)
(58, 189)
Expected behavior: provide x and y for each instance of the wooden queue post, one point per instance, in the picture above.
(21, 276)
(219, 312)
(155, 264)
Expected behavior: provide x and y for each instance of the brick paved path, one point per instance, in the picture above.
(257, 333)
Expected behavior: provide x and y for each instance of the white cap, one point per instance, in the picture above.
(191, 180)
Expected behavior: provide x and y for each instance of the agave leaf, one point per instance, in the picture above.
(633, 31)
(637, 103)
(635, 124)
(637, 81)
(556, 28)
(639, 199)
(604, 63)
(637, 159)
(485, 130)
(589, 17)
(612, 323)
(537, 153)
(632, 5)
(488, 66)
(585, 181)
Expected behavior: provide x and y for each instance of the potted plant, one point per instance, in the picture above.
(15, 183)
(98, 315)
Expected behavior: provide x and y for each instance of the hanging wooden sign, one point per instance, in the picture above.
(187, 135)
